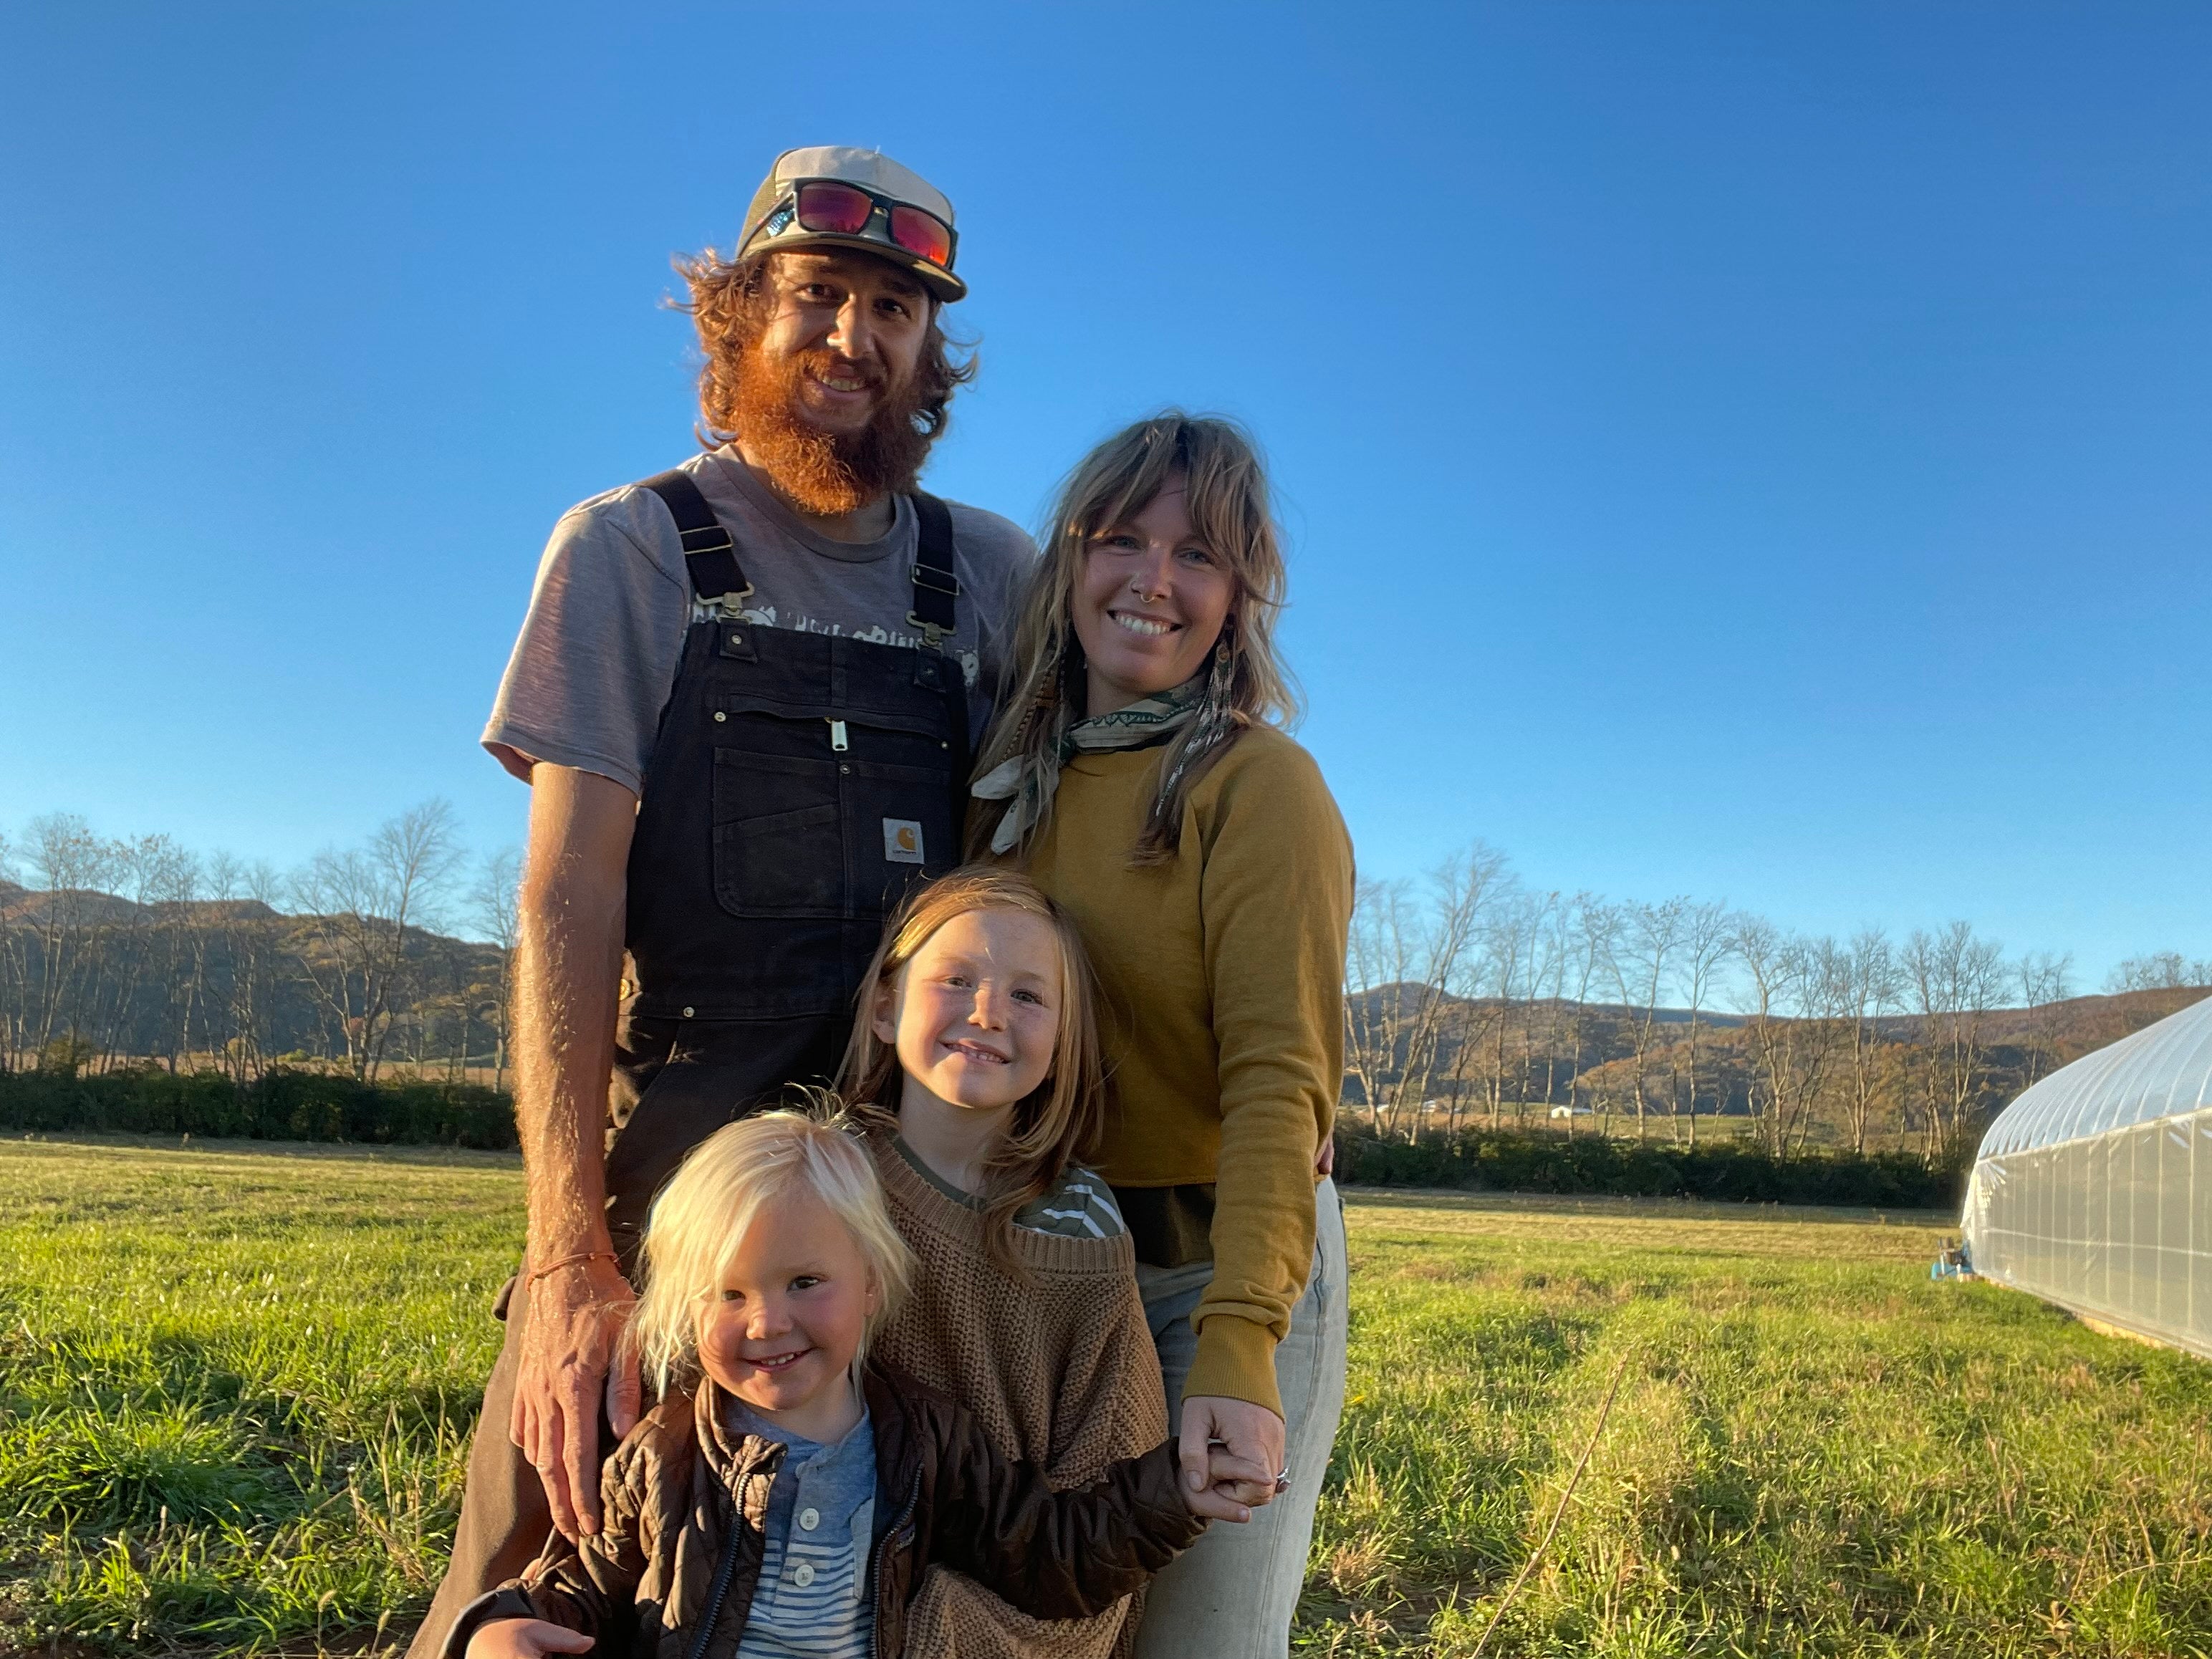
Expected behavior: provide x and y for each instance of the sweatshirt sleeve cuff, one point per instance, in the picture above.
(507, 1601)
(1235, 1360)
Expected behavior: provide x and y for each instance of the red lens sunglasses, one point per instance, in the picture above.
(832, 207)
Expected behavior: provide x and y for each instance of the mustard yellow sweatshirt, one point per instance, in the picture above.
(1221, 976)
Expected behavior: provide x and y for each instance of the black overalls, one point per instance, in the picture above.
(799, 782)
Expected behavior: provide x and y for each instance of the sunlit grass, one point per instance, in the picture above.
(236, 1386)
(1814, 1449)
(235, 1389)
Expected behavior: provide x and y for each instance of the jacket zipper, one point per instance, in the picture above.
(714, 1597)
(719, 1590)
(875, 1564)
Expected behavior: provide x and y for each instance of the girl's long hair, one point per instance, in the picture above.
(1059, 1120)
(701, 1215)
(1225, 490)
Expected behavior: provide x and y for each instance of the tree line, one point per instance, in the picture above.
(1472, 998)
(136, 951)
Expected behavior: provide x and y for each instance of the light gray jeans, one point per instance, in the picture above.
(1233, 1594)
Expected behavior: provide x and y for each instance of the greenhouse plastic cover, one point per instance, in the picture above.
(2094, 1189)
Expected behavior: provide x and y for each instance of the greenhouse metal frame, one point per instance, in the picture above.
(2094, 1189)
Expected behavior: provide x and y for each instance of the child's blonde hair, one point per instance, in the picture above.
(1061, 1119)
(700, 1217)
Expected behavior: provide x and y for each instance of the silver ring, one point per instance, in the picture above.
(1283, 1479)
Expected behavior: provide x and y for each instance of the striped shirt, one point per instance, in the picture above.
(1079, 1205)
(812, 1599)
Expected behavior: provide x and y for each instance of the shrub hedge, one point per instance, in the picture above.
(297, 1105)
(1520, 1162)
(281, 1105)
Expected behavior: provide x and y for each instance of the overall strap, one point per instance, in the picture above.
(708, 553)
(935, 586)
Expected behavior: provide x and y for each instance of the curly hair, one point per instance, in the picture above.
(730, 305)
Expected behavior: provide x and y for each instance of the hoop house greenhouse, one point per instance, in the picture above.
(2094, 1189)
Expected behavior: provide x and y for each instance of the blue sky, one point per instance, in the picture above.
(1757, 451)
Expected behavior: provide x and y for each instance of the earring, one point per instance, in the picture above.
(1214, 717)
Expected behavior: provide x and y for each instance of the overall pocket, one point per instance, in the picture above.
(899, 829)
(777, 849)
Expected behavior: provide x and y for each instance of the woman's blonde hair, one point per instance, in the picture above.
(702, 1215)
(1225, 490)
(1061, 1119)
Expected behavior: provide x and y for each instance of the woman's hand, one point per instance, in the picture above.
(1230, 1451)
(524, 1638)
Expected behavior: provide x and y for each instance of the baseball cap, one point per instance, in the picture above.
(885, 226)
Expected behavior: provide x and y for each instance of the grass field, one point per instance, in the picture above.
(235, 1386)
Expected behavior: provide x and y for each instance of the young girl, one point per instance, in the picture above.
(976, 1059)
(780, 1499)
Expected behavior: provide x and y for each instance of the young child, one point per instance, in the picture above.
(975, 1060)
(782, 1498)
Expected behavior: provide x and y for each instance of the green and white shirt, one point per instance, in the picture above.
(1080, 1205)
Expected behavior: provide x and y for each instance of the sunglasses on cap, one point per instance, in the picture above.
(830, 207)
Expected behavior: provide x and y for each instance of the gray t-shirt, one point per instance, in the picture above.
(597, 658)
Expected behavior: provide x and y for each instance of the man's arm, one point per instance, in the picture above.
(568, 959)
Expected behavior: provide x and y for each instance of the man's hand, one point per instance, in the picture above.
(571, 1327)
(1324, 1160)
(567, 964)
(1226, 1481)
(524, 1638)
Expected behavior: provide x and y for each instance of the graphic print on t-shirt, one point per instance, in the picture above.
(714, 610)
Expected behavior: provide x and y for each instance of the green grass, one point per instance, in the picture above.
(235, 1386)
(1813, 1450)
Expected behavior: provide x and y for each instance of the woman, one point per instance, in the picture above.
(1140, 773)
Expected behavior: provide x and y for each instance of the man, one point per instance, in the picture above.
(744, 697)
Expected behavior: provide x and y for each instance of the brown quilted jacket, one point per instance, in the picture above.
(671, 1572)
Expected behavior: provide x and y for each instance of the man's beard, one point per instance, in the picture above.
(828, 474)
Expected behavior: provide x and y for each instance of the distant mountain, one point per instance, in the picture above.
(22, 905)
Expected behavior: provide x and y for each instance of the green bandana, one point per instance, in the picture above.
(1027, 785)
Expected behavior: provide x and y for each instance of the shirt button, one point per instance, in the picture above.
(719, 717)
(809, 1519)
(803, 1574)
(687, 1013)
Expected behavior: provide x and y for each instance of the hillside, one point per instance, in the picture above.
(1927, 1083)
(93, 979)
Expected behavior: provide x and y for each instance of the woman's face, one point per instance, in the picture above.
(1149, 603)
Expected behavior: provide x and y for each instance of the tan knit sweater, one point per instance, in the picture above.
(1059, 1371)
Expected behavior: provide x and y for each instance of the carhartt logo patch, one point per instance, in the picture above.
(902, 841)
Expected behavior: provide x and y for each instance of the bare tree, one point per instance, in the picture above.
(495, 906)
(1954, 979)
(1508, 944)
(69, 865)
(1872, 986)
(358, 906)
(2161, 971)
(1644, 948)
(15, 966)
(1796, 990)
(2045, 981)
(1594, 928)
(1707, 941)
(1407, 955)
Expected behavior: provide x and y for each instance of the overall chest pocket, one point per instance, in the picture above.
(804, 829)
